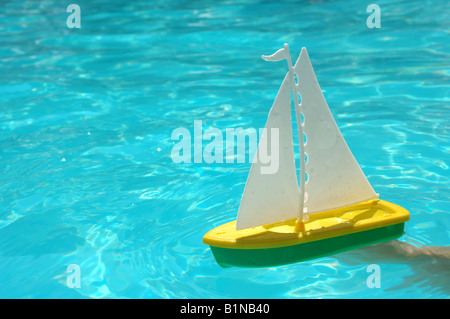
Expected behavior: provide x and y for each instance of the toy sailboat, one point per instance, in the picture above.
(333, 208)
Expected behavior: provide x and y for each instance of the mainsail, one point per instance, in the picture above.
(334, 177)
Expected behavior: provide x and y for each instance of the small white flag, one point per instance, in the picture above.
(277, 56)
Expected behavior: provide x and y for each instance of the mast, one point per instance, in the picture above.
(299, 226)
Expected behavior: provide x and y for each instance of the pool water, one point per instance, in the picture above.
(86, 117)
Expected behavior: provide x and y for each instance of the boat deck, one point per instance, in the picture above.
(351, 219)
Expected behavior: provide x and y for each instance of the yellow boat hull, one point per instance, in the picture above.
(326, 233)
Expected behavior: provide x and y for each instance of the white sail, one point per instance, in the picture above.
(272, 196)
(334, 178)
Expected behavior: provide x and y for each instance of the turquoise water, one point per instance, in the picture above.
(86, 117)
